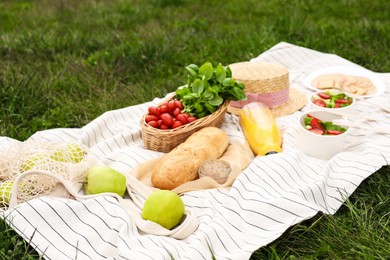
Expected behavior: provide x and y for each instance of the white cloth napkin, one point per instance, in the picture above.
(273, 193)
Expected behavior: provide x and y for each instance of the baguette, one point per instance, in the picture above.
(182, 163)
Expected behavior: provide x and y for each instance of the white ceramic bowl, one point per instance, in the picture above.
(316, 145)
(346, 109)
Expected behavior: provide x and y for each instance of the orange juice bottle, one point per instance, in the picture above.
(260, 129)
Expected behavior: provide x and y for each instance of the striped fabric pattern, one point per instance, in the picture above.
(272, 194)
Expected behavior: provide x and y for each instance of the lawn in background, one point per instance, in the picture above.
(65, 62)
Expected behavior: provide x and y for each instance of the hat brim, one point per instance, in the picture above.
(296, 100)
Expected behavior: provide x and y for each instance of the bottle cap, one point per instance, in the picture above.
(268, 148)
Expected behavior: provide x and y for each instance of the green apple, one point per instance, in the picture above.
(5, 192)
(104, 179)
(31, 162)
(164, 207)
(69, 153)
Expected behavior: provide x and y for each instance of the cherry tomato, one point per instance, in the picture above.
(337, 105)
(153, 124)
(320, 102)
(191, 119)
(179, 104)
(171, 105)
(315, 123)
(176, 112)
(159, 123)
(324, 95)
(316, 131)
(164, 127)
(167, 119)
(163, 109)
(154, 111)
(176, 124)
(334, 132)
(149, 118)
(343, 101)
(182, 118)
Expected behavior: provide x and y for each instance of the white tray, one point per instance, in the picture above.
(378, 83)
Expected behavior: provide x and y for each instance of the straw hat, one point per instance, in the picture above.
(267, 83)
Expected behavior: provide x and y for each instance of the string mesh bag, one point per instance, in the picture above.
(68, 162)
(32, 169)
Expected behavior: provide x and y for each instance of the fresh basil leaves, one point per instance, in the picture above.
(207, 88)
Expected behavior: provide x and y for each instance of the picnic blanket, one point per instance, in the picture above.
(273, 193)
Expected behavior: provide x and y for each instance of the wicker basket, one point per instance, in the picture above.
(165, 140)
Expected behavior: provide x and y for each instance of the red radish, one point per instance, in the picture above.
(186, 115)
(153, 124)
(176, 112)
(171, 105)
(191, 119)
(167, 119)
(149, 118)
(163, 109)
(177, 124)
(168, 115)
(182, 118)
(154, 111)
(179, 104)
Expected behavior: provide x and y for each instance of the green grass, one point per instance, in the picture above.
(13, 246)
(64, 63)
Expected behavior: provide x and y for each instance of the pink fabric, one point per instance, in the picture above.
(269, 99)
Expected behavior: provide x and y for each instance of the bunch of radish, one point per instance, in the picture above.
(168, 115)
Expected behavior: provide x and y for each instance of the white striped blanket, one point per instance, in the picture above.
(272, 194)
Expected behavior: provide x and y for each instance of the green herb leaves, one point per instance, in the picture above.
(207, 88)
(328, 127)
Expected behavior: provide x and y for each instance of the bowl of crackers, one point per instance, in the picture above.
(357, 82)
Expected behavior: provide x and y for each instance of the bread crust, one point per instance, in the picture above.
(182, 163)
